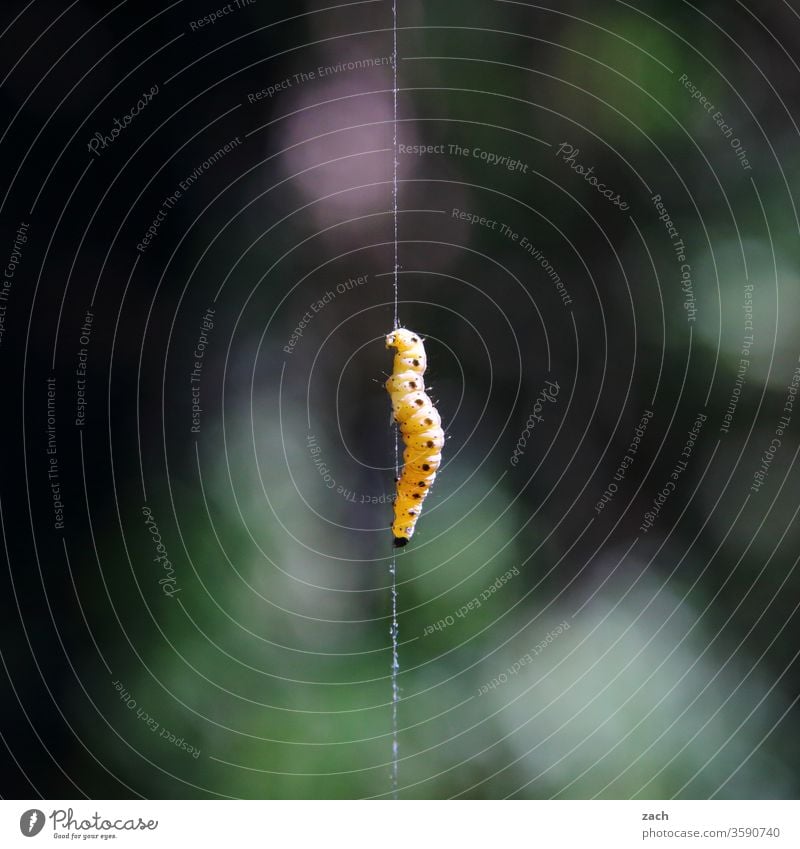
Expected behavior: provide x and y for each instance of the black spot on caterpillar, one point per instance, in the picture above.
(421, 429)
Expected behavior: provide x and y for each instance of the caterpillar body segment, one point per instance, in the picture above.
(420, 426)
(421, 421)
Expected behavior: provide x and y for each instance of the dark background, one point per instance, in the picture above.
(678, 674)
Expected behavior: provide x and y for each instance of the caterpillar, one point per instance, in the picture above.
(420, 426)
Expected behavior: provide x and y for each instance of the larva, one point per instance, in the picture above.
(421, 429)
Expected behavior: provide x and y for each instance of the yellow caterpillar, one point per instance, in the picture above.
(420, 426)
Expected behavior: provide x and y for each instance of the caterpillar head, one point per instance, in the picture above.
(402, 339)
(402, 533)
